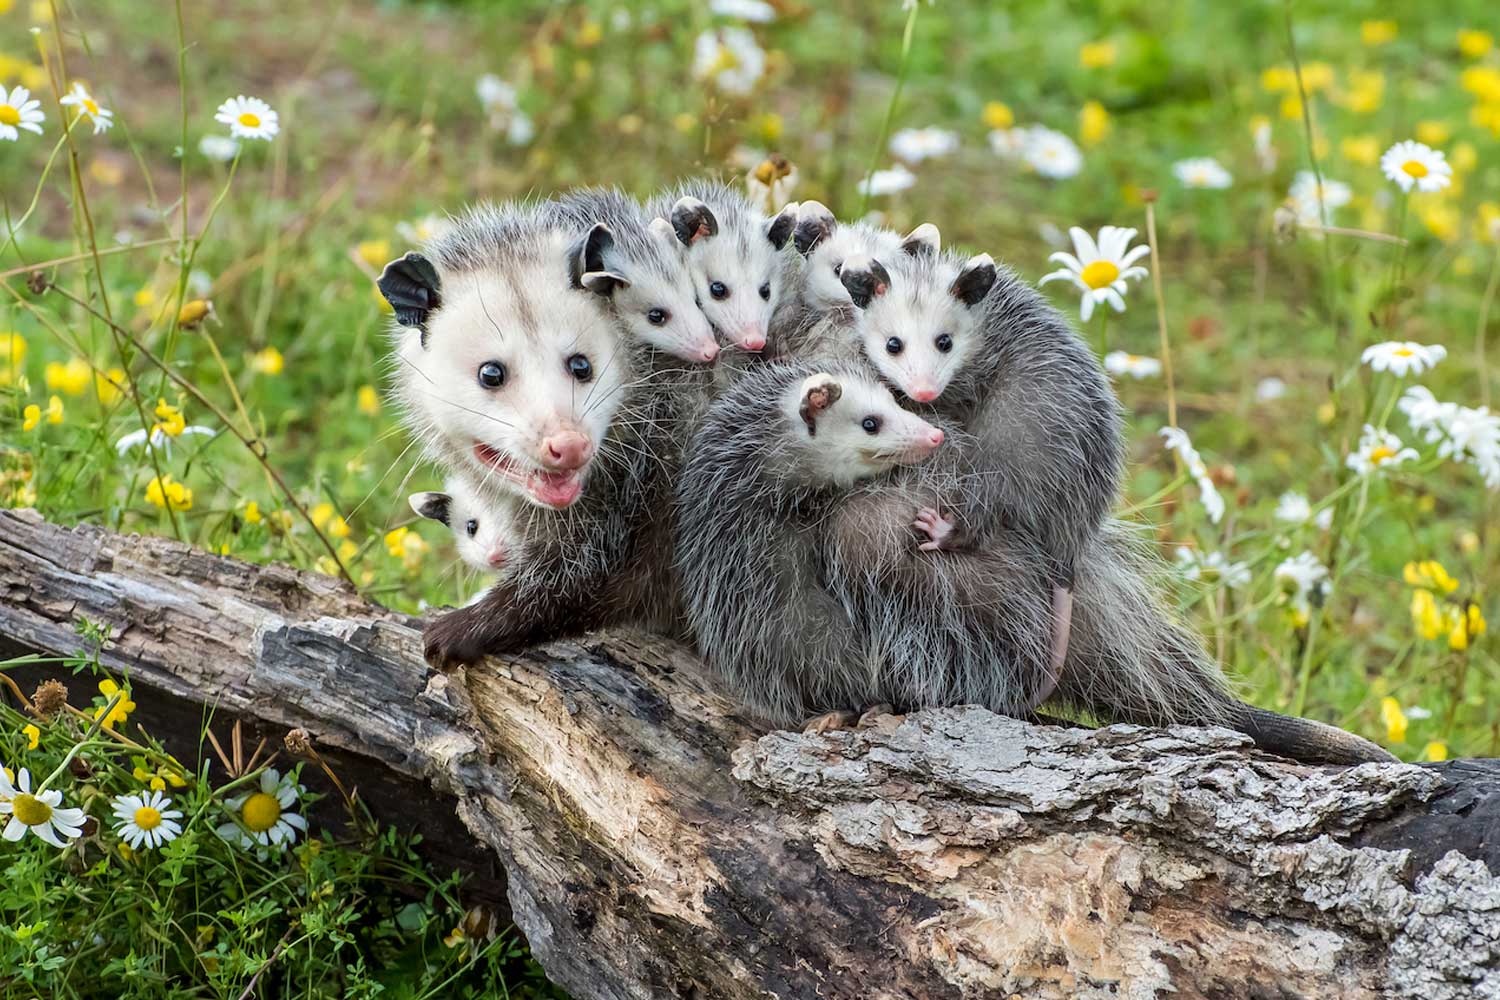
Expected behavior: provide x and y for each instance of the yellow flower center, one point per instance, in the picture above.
(9, 115)
(1403, 352)
(1100, 274)
(91, 106)
(261, 812)
(147, 818)
(31, 810)
(249, 119)
(1381, 454)
(1415, 168)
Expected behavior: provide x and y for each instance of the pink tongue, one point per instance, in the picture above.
(556, 489)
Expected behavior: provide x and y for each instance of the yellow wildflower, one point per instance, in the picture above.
(1317, 76)
(72, 378)
(122, 708)
(107, 385)
(165, 491)
(251, 512)
(368, 400)
(1374, 33)
(1429, 573)
(1481, 81)
(1093, 123)
(1362, 149)
(54, 410)
(145, 297)
(1436, 750)
(1426, 616)
(338, 527)
(12, 354)
(347, 550)
(1278, 79)
(267, 362)
(455, 938)
(1468, 625)
(376, 253)
(1441, 219)
(30, 417)
(1291, 107)
(158, 779)
(169, 419)
(1465, 157)
(1366, 92)
(997, 115)
(1394, 718)
(1486, 115)
(1434, 133)
(1096, 55)
(590, 33)
(33, 735)
(320, 514)
(395, 541)
(1472, 44)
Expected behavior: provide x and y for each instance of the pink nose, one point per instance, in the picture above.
(934, 437)
(923, 392)
(709, 351)
(753, 340)
(497, 558)
(566, 451)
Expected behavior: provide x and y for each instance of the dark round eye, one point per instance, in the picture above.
(718, 290)
(657, 317)
(765, 291)
(471, 526)
(871, 425)
(944, 343)
(579, 368)
(492, 374)
(894, 346)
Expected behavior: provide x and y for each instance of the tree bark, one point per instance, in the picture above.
(656, 844)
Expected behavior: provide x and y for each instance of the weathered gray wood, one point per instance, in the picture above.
(657, 845)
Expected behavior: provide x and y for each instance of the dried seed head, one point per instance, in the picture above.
(299, 742)
(1285, 221)
(194, 312)
(37, 282)
(50, 698)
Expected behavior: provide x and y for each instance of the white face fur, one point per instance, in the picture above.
(519, 381)
(852, 428)
(482, 527)
(921, 332)
(662, 309)
(738, 274)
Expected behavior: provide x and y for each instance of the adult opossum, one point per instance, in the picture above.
(519, 380)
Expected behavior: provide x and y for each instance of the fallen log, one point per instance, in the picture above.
(656, 844)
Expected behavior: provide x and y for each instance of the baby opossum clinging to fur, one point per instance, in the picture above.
(517, 377)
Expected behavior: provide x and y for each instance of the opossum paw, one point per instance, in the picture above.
(874, 714)
(829, 721)
(941, 530)
(449, 642)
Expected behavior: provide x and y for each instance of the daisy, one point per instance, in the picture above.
(1269, 389)
(1176, 439)
(1265, 149)
(1460, 432)
(262, 817)
(1294, 508)
(169, 424)
(248, 118)
(41, 813)
(146, 819)
(1121, 363)
(771, 181)
(17, 111)
(1378, 449)
(883, 182)
(1303, 580)
(219, 147)
(917, 144)
(1304, 196)
(1202, 172)
(1052, 154)
(495, 94)
(746, 10)
(1009, 143)
(1212, 568)
(1403, 357)
(1100, 269)
(730, 58)
(89, 108)
(1411, 164)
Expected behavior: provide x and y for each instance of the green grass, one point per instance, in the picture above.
(380, 125)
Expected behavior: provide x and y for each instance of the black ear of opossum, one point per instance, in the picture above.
(925, 239)
(433, 506)
(819, 392)
(587, 254)
(692, 220)
(814, 223)
(975, 280)
(779, 228)
(410, 284)
(864, 278)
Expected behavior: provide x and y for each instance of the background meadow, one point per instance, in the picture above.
(215, 299)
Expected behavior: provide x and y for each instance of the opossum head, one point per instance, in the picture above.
(827, 244)
(481, 527)
(849, 427)
(653, 296)
(921, 323)
(738, 270)
(516, 377)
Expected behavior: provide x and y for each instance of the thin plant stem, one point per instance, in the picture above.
(1481, 364)
(1161, 315)
(890, 110)
(92, 731)
(1330, 275)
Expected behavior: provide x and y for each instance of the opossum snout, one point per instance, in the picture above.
(751, 338)
(922, 390)
(709, 351)
(496, 559)
(934, 437)
(566, 451)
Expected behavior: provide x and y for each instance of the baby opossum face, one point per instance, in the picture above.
(921, 322)
(737, 274)
(481, 528)
(852, 428)
(827, 244)
(654, 299)
(516, 377)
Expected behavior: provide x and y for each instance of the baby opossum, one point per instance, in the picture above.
(735, 254)
(653, 295)
(483, 528)
(521, 383)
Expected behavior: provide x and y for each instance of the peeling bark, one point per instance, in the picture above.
(656, 844)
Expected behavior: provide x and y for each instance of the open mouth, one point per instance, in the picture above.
(556, 489)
